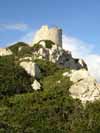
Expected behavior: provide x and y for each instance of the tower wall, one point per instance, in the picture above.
(45, 33)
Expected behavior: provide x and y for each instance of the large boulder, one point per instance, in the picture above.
(84, 87)
(78, 75)
(31, 68)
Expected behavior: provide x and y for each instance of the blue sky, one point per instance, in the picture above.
(78, 18)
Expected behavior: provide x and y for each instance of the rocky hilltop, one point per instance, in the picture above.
(43, 88)
(47, 46)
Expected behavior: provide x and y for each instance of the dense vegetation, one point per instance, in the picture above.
(13, 78)
(50, 110)
(48, 44)
(21, 49)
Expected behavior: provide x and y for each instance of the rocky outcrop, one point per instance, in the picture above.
(86, 90)
(79, 75)
(59, 56)
(31, 68)
(84, 86)
(56, 53)
(48, 46)
(5, 51)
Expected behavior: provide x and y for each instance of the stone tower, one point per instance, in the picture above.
(45, 33)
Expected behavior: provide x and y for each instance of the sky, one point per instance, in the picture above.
(79, 19)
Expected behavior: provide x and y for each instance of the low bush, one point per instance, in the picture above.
(37, 46)
(13, 78)
(49, 44)
(46, 67)
(49, 110)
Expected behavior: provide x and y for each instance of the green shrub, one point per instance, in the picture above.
(25, 50)
(37, 46)
(46, 67)
(38, 111)
(14, 48)
(13, 78)
(50, 110)
(49, 44)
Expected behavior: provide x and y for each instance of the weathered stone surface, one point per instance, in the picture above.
(4, 52)
(31, 68)
(56, 53)
(59, 56)
(66, 74)
(26, 58)
(36, 85)
(82, 63)
(78, 75)
(84, 86)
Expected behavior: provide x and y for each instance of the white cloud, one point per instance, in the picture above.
(83, 50)
(17, 26)
(78, 47)
(93, 61)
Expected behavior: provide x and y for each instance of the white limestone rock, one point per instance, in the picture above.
(56, 54)
(59, 56)
(36, 85)
(43, 43)
(66, 74)
(31, 68)
(86, 90)
(65, 59)
(84, 87)
(43, 53)
(78, 75)
(5, 51)
(26, 58)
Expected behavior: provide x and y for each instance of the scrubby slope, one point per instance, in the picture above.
(51, 109)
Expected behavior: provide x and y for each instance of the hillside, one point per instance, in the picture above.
(48, 109)
(43, 88)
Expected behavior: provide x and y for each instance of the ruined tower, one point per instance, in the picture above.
(45, 33)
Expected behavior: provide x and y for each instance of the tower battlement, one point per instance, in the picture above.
(45, 33)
